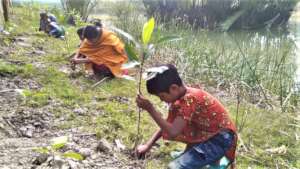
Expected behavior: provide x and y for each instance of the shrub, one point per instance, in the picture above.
(212, 13)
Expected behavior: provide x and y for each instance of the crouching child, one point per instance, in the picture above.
(195, 118)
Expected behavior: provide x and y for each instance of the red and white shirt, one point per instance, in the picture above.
(205, 117)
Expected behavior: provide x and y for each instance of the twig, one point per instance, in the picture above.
(84, 135)
(287, 99)
(250, 158)
(243, 121)
(238, 100)
(18, 62)
(8, 90)
(99, 82)
(242, 143)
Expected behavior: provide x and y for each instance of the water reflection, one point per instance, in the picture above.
(294, 25)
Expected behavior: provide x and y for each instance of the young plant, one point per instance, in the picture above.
(140, 50)
(56, 145)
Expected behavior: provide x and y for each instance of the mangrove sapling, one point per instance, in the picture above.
(140, 51)
(57, 144)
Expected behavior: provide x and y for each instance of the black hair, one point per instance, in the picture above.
(80, 32)
(91, 32)
(163, 81)
(43, 14)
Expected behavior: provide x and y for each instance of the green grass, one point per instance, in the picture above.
(36, 98)
(211, 59)
(7, 69)
(266, 129)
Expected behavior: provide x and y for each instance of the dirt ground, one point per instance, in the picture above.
(24, 128)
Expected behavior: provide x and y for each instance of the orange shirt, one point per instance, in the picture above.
(108, 50)
(205, 117)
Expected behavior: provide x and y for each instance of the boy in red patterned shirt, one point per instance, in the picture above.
(195, 118)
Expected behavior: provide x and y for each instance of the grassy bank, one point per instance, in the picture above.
(268, 136)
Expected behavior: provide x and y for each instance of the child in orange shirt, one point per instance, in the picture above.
(195, 118)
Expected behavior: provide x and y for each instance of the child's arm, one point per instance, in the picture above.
(142, 149)
(76, 59)
(172, 129)
(81, 60)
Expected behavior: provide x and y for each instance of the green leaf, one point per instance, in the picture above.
(147, 31)
(168, 39)
(73, 155)
(42, 150)
(131, 52)
(59, 142)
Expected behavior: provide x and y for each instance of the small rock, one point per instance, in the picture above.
(71, 146)
(26, 132)
(22, 44)
(73, 164)
(94, 156)
(79, 111)
(119, 145)
(40, 159)
(57, 162)
(86, 152)
(29, 133)
(20, 39)
(37, 124)
(38, 52)
(104, 146)
(4, 32)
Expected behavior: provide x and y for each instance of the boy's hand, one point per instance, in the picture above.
(74, 60)
(144, 103)
(141, 150)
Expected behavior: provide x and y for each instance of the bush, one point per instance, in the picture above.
(238, 14)
(83, 7)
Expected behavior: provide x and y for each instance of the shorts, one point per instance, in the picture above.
(203, 154)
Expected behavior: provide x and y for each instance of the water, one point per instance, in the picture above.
(294, 24)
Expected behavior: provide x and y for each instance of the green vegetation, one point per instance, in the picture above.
(227, 14)
(56, 145)
(259, 62)
(83, 8)
(245, 64)
(25, 71)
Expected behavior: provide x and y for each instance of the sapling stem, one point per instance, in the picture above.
(139, 92)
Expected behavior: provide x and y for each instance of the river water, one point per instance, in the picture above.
(294, 24)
